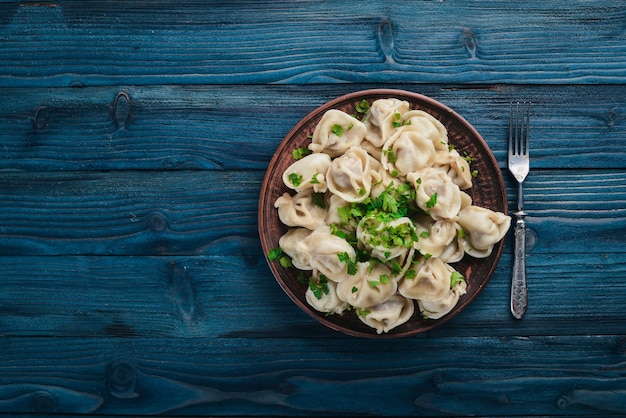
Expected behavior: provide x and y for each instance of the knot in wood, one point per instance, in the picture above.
(385, 36)
(121, 109)
(157, 222)
(41, 118)
(44, 402)
(121, 379)
(469, 41)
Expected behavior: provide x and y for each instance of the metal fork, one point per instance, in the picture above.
(519, 166)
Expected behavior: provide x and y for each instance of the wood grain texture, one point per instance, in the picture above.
(167, 42)
(133, 140)
(294, 376)
(239, 127)
(194, 297)
(212, 212)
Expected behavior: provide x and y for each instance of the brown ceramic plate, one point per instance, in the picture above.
(487, 191)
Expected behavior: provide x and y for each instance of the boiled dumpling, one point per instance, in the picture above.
(427, 126)
(380, 117)
(389, 314)
(328, 302)
(431, 280)
(326, 251)
(300, 210)
(436, 194)
(386, 240)
(456, 167)
(435, 309)
(407, 151)
(483, 228)
(337, 132)
(289, 244)
(370, 285)
(349, 176)
(454, 251)
(434, 236)
(308, 172)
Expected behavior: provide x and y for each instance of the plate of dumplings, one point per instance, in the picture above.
(383, 214)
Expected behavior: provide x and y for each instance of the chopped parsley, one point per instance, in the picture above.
(432, 201)
(363, 312)
(276, 254)
(345, 258)
(319, 286)
(363, 107)
(467, 157)
(455, 279)
(337, 130)
(295, 179)
(398, 122)
(391, 156)
(298, 153)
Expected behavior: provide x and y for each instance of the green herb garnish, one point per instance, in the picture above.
(456, 278)
(319, 286)
(295, 179)
(363, 107)
(337, 130)
(432, 201)
(345, 258)
(298, 153)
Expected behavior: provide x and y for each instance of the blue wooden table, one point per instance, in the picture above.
(134, 137)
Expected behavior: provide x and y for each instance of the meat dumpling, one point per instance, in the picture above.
(386, 240)
(300, 210)
(456, 167)
(434, 236)
(389, 314)
(336, 133)
(380, 117)
(436, 194)
(370, 285)
(349, 176)
(308, 172)
(407, 151)
(427, 126)
(483, 228)
(289, 244)
(325, 252)
(325, 299)
(435, 309)
(431, 280)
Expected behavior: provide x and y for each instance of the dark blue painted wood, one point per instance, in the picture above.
(239, 127)
(134, 137)
(304, 42)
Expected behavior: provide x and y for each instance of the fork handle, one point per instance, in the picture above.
(518, 284)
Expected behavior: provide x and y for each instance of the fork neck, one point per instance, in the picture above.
(520, 201)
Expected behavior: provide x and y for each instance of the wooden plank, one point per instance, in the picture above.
(239, 127)
(118, 213)
(206, 296)
(86, 44)
(568, 376)
(193, 212)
